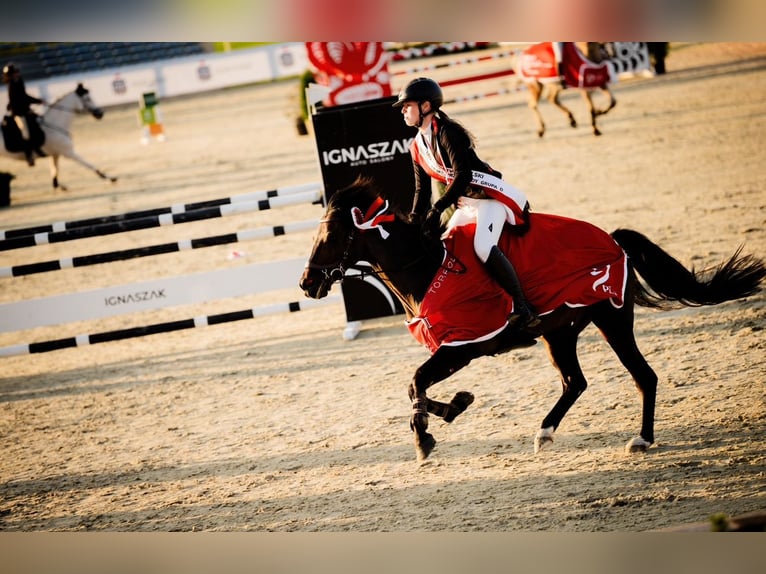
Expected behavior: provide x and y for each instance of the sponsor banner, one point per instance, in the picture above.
(178, 76)
(368, 139)
(148, 295)
(352, 71)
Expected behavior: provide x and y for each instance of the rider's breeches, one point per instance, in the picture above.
(21, 121)
(490, 215)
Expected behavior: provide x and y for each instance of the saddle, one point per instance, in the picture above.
(12, 135)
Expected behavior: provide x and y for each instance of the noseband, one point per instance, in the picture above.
(334, 271)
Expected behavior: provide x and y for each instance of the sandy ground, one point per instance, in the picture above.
(278, 424)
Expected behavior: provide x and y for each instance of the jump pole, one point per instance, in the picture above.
(182, 245)
(178, 208)
(467, 60)
(157, 221)
(434, 49)
(499, 92)
(167, 327)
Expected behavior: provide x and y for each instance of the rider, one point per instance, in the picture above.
(444, 150)
(18, 104)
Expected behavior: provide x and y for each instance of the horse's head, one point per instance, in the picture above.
(86, 102)
(350, 211)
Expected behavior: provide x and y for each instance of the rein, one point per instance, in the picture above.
(55, 106)
(371, 220)
(53, 127)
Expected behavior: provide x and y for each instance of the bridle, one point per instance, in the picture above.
(56, 106)
(333, 272)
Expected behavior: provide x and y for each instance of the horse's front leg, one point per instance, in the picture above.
(443, 363)
(83, 162)
(562, 351)
(55, 172)
(449, 411)
(534, 90)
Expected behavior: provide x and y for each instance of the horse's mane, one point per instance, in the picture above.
(365, 187)
(79, 90)
(363, 192)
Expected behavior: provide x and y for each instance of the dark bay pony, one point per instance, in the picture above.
(357, 226)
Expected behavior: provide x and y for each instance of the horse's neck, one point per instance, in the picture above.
(61, 112)
(404, 265)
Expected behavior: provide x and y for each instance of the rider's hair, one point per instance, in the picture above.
(447, 119)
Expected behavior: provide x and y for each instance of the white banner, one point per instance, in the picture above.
(177, 76)
(147, 295)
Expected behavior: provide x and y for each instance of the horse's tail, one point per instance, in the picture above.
(669, 281)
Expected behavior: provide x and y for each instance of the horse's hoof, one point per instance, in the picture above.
(113, 179)
(637, 444)
(460, 402)
(424, 445)
(596, 133)
(540, 133)
(543, 438)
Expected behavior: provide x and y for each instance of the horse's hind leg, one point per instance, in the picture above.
(617, 327)
(594, 111)
(443, 363)
(562, 350)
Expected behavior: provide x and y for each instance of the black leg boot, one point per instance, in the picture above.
(504, 273)
(29, 153)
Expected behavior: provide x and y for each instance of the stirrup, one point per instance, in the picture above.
(522, 321)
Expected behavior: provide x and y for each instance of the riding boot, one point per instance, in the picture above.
(503, 272)
(29, 153)
(40, 153)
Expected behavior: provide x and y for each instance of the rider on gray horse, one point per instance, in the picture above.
(18, 104)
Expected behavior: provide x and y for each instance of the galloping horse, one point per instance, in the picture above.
(596, 53)
(599, 287)
(55, 124)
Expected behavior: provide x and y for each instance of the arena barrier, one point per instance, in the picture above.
(161, 220)
(165, 292)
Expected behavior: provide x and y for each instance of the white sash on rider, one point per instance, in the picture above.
(482, 180)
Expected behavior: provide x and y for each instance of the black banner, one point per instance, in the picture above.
(371, 139)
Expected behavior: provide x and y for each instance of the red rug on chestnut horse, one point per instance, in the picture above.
(559, 261)
(538, 62)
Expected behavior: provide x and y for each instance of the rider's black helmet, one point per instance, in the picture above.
(421, 90)
(9, 69)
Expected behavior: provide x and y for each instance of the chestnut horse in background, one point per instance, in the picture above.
(596, 53)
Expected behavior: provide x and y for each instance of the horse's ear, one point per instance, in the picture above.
(80, 89)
